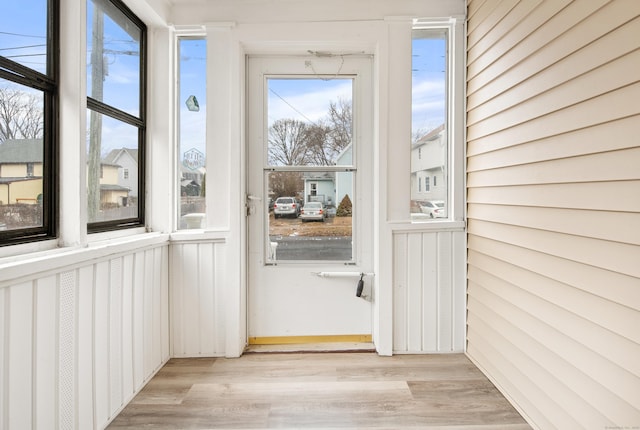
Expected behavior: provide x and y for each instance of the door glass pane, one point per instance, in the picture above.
(310, 216)
(21, 156)
(193, 114)
(309, 209)
(310, 121)
(429, 146)
(23, 37)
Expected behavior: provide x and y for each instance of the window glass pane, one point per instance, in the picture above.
(23, 33)
(429, 146)
(113, 44)
(21, 156)
(310, 216)
(193, 114)
(310, 121)
(112, 149)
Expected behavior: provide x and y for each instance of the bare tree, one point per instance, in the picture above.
(331, 135)
(318, 149)
(21, 115)
(288, 143)
(341, 124)
(293, 142)
(286, 184)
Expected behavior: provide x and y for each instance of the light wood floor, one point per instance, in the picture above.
(320, 391)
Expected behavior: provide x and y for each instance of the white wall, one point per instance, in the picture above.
(235, 29)
(554, 207)
(82, 332)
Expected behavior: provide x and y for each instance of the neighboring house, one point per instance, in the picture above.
(127, 159)
(330, 187)
(110, 191)
(191, 180)
(320, 187)
(428, 161)
(20, 171)
(344, 180)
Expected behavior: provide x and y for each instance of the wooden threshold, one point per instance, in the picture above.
(286, 340)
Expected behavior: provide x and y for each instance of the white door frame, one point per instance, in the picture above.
(226, 124)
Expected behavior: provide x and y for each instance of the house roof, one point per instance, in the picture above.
(113, 187)
(16, 151)
(113, 156)
(432, 135)
(19, 179)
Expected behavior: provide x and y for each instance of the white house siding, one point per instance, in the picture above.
(553, 161)
(82, 332)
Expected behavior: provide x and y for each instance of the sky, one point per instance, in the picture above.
(303, 99)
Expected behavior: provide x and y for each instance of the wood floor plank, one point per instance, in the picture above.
(321, 391)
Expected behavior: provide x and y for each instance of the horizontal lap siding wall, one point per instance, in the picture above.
(79, 342)
(554, 207)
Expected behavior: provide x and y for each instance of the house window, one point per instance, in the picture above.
(125, 174)
(429, 108)
(28, 111)
(192, 115)
(116, 93)
(434, 180)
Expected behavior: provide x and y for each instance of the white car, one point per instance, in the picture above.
(433, 208)
(313, 211)
(286, 206)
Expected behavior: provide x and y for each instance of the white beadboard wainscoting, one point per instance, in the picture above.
(198, 298)
(429, 291)
(82, 331)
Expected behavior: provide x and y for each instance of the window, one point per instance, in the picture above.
(192, 124)
(116, 93)
(125, 174)
(429, 144)
(28, 109)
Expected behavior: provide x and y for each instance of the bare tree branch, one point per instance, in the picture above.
(21, 116)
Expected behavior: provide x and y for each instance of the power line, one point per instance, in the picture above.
(23, 47)
(292, 107)
(23, 35)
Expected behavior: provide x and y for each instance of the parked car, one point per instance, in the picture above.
(313, 211)
(433, 208)
(286, 206)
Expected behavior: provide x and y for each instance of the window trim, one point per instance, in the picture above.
(455, 114)
(49, 85)
(139, 122)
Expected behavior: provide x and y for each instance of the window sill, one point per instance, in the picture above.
(35, 264)
(191, 236)
(428, 225)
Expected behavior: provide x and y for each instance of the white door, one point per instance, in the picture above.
(309, 198)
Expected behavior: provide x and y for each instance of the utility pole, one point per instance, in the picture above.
(95, 128)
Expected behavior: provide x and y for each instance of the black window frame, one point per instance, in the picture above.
(48, 83)
(139, 122)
